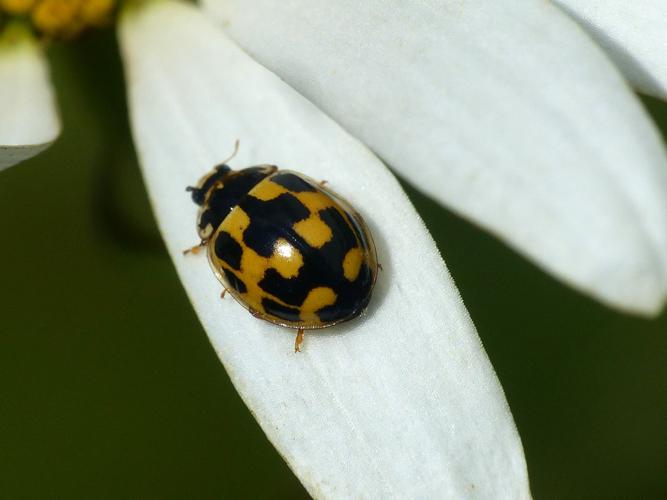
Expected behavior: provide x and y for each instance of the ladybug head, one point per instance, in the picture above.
(221, 190)
(206, 183)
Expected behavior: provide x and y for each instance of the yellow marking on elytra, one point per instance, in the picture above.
(317, 298)
(235, 223)
(286, 259)
(267, 190)
(352, 263)
(252, 264)
(314, 231)
(315, 200)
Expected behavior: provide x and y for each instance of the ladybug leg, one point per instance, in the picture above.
(195, 249)
(224, 291)
(323, 183)
(380, 267)
(299, 340)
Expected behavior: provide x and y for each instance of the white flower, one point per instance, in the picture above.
(507, 113)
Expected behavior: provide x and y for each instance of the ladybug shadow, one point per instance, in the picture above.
(380, 291)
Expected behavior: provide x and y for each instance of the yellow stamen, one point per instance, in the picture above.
(61, 18)
(96, 12)
(55, 16)
(16, 6)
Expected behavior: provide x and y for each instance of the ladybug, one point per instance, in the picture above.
(289, 250)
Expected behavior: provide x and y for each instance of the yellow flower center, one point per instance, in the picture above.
(60, 18)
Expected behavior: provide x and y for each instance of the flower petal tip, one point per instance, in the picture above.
(29, 122)
(630, 33)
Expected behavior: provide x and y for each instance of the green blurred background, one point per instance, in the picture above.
(110, 388)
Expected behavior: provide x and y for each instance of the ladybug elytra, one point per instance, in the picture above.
(288, 249)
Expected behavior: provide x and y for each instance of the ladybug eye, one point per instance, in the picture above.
(198, 195)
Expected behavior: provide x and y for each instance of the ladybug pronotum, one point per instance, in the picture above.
(289, 250)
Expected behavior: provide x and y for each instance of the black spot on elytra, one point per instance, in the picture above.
(274, 219)
(228, 249)
(291, 290)
(292, 182)
(271, 220)
(223, 199)
(280, 311)
(322, 267)
(344, 237)
(235, 282)
(352, 298)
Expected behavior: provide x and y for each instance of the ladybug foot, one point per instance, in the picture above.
(323, 183)
(224, 291)
(195, 249)
(299, 340)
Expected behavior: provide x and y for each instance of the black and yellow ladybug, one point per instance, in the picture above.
(289, 250)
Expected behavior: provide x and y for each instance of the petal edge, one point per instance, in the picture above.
(632, 33)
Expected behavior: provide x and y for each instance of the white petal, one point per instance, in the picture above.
(502, 110)
(28, 117)
(401, 402)
(634, 35)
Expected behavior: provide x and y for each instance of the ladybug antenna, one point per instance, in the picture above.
(236, 150)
